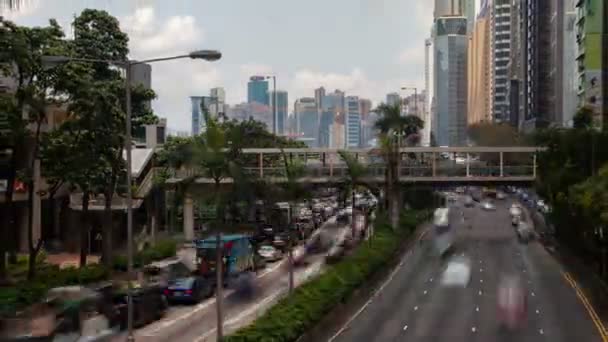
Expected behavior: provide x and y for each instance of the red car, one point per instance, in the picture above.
(512, 304)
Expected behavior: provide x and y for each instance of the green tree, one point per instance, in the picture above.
(22, 49)
(354, 181)
(395, 130)
(583, 119)
(97, 100)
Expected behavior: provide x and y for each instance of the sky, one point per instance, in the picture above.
(367, 48)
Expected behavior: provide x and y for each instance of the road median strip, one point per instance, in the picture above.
(293, 315)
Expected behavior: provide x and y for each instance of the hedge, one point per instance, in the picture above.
(294, 315)
(25, 293)
(163, 249)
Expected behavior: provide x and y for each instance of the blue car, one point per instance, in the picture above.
(189, 289)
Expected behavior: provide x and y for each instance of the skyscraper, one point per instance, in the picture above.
(257, 90)
(501, 52)
(218, 102)
(196, 114)
(393, 99)
(305, 109)
(282, 110)
(319, 97)
(450, 81)
(479, 104)
(592, 60)
(352, 122)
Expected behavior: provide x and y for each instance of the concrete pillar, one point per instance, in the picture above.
(468, 165)
(534, 165)
(501, 164)
(37, 205)
(261, 162)
(188, 218)
(434, 158)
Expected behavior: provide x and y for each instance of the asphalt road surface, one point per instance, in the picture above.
(413, 306)
(197, 323)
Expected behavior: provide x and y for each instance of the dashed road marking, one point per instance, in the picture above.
(405, 328)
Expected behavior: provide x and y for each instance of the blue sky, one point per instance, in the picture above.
(365, 47)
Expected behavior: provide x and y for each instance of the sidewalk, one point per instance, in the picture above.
(595, 289)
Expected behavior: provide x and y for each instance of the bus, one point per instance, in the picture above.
(237, 255)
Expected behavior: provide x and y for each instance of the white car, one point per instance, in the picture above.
(270, 253)
(515, 210)
(457, 273)
(487, 205)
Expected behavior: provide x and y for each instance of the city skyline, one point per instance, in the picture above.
(356, 69)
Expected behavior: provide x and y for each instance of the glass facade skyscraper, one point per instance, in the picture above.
(282, 109)
(451, 41)
(257, 90)
(196, 114)
(307, 119)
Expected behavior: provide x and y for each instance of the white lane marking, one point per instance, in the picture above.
(254, 308)
(533, 294)
(272, 269)
(481, 270)
(537, 311)
(425, 291)
(477, 309)
(480, 292)
(431, 280)
(541, 331)
(473, 329)
(415, 308)
(386, 282)
(405, 328)
(481, 280)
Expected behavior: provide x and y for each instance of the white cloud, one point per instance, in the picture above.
(252, 69)
(173, 81)
(411, 55)
(151, 38)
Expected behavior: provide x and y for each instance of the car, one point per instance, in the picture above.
(487, 205)
(512, 302)
(525, 233)
(270, 253)
(457, 273)
(468, 202)
(501, 195)
(189, 289)
(515, 210)
(515, 220)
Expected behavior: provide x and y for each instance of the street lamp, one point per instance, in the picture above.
(275, 119)
(208, 55)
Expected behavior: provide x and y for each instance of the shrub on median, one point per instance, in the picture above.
(292, 316)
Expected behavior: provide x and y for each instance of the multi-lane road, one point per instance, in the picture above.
(198, 323)
(412, 305)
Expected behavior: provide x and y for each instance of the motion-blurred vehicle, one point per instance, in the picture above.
(525, 233)
(515, 220)
(191, 289)
(487, 205)
(237, 256)
(515, 210)
(457, 273)
(468, 202)
(460, 190)
(501, 195)
(512, 303)
(443, 234)
(270, 253)
(164, 271)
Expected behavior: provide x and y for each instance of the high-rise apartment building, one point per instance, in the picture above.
(393, 99)
(450, 81)
(282, 102)
(319, 97)
(196, 102)
(305, 109)
(352, 122)
(592, 59)
(501, 52)
(257, 90)
(479, 69)
(218, 102)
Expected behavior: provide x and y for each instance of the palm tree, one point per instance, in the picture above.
(354, 181)
(395, 131)
(294, 191)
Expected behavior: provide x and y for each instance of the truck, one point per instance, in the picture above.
(237, 255)
(443, 233)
